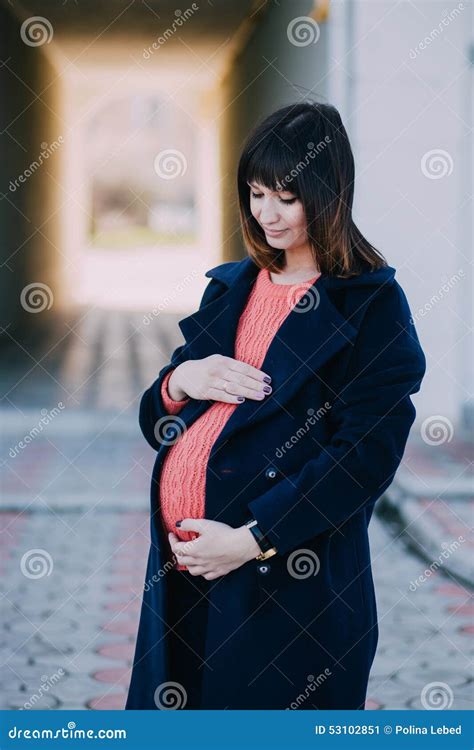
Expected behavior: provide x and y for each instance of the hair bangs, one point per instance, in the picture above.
(271, 165)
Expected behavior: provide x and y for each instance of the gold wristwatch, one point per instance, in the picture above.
(267, 549)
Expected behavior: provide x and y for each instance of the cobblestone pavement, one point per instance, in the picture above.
(75, 534)
(73, 628)
(433, 498)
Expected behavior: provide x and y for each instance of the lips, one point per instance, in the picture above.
(273, 232)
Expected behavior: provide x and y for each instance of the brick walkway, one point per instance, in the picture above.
(75, 534)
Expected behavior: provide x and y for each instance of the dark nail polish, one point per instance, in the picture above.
(240, 398)
(267, 379)
(267, 388)
(178, 523)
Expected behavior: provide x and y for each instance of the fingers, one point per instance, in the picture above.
(233, 385)
(198, 570)
(232, 380)
(232, 393)
(209, 575)
(253, 373)
(235, 382)
(188, 560)
(193, 524)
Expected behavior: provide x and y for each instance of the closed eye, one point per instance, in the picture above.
(288, 201)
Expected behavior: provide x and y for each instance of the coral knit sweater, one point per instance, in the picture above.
(183, 474)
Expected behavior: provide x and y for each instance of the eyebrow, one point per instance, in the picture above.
(286, 190)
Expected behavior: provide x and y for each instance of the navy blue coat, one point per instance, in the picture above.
(309, 462)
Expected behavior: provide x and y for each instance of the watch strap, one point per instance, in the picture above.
(262, 541)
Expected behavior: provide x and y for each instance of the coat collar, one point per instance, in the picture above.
(313, 332)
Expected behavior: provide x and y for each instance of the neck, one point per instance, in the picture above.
(299, 260)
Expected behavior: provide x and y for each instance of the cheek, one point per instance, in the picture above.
(254, 208)
(295, 218)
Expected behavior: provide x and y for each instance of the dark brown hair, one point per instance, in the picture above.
(304, 148)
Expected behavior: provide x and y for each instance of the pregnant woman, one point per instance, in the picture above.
(278, 423)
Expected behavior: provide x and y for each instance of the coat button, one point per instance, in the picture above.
(264, 568)
(270, 473)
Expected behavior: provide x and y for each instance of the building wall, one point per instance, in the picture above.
(269, 72)
(405, 94)
(399, 102)
(29, 224)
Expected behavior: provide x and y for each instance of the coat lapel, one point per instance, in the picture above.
(310, 335)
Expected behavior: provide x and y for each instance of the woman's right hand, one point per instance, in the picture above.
(218, 378)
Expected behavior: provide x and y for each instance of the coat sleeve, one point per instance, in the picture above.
(152, 407)
(370, 421)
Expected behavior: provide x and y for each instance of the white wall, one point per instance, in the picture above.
(400, 101)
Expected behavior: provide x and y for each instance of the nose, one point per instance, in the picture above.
(268, 213)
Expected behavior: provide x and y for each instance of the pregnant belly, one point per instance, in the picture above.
(183, 474)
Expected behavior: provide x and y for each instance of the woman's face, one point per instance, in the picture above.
(280, 214)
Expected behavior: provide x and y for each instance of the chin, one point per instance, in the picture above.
(280, 243)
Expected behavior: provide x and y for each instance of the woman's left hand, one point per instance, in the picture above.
(217, 550)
